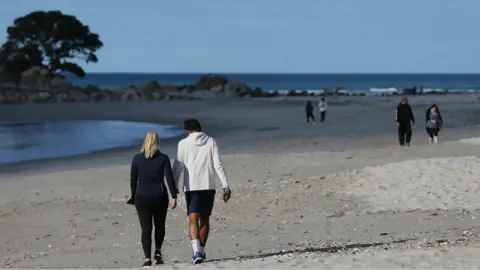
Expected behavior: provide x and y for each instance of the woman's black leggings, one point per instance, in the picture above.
(149, 208)
(310, 115)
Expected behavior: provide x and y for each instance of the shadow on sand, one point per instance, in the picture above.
(332, 249)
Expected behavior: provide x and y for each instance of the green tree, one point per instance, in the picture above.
(14, 60)
(60, 39)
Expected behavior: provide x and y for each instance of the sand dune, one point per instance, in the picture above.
(423, 184)
(474, 140)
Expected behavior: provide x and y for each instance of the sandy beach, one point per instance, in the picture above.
(339, 194)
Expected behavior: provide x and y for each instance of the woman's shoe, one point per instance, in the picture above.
(158, 257)
(147, 264)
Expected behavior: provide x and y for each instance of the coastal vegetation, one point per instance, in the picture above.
(49, 39)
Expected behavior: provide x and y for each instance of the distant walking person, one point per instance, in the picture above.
(434, 123)
(309, 112)
(322, 106)
(149, 194)
(404, 116)
(198, 157)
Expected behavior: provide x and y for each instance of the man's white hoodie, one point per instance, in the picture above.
(198, 157)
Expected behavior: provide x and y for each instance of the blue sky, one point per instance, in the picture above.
(314, 36)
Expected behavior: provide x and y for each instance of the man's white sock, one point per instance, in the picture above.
(202, 249)
(195, 245)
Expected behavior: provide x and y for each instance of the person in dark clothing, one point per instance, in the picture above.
(404, 116)
(434, 122)
(149, 194)
(309, 112)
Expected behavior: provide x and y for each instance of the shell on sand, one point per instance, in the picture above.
(424, 184)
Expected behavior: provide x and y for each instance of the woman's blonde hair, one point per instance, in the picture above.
(150, 144)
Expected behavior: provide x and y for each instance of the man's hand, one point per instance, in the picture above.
(227, 193)
(174, 203)
(397, 123)
(131, 201)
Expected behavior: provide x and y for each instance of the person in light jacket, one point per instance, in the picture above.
(198, 157)
(322, 106)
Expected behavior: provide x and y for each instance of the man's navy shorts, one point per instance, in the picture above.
(200, 201)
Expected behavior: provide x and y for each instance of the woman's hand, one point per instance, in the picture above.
(131, 201)
(174, 203)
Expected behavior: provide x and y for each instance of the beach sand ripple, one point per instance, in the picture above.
(424, 184)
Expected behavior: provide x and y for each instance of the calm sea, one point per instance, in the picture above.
(39, 140)
(348, 82)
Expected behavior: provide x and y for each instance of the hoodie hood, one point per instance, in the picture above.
(198, 138)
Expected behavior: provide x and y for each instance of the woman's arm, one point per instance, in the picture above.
(412, 118)
(178, 164)
(167, 170)
(133, 178)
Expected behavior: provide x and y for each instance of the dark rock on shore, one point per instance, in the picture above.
(413, 91)
(37, 87)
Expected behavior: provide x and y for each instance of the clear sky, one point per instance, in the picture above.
(314, 36)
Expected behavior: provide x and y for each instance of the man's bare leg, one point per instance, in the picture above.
(204, 230)
(194, 231)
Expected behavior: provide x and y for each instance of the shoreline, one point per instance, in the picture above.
(47, 112)
(107, 157)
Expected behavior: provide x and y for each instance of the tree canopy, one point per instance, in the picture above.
(50, 39)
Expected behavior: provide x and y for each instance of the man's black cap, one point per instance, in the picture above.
(192, 124)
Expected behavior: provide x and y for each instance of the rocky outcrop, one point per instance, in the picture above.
(207, 82)
(237, 89)
(38, 77)
(410, 91)
(38, 87)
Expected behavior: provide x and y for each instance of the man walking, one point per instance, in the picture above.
(198, 157)
(404, 116)
(322, 106)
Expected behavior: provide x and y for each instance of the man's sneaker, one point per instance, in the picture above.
(197, 258)
(158, 257)
(147, 264)
(204, 256)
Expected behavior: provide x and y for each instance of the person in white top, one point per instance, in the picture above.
(322, 106)
(198, 157)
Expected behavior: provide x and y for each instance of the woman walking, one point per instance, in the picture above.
(309, 112)
(434, 123)
(149, 194)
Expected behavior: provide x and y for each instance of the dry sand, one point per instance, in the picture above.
(300, 192)
(475, 140)
(439, 258)
(423, 184)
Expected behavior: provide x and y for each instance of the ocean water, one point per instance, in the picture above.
(31, 141)
(366, 83)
